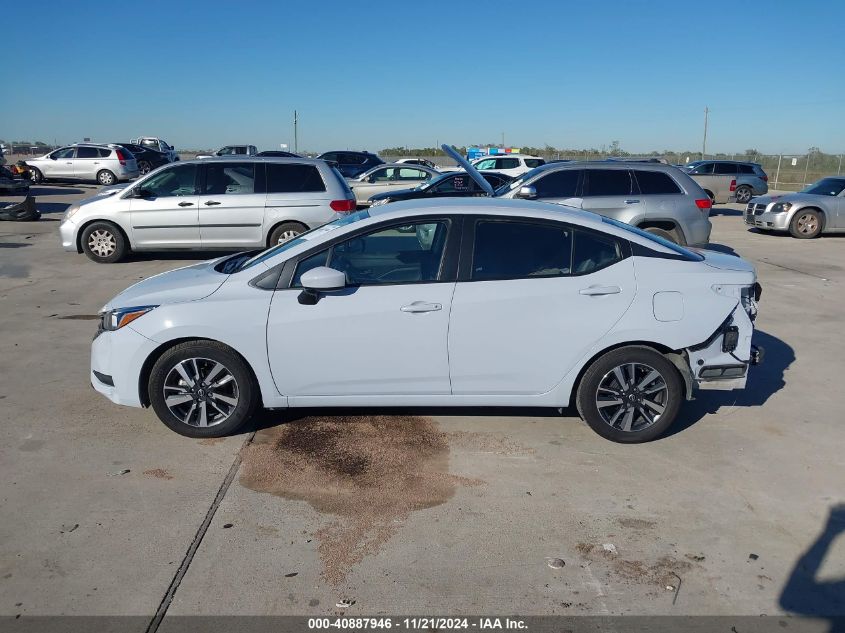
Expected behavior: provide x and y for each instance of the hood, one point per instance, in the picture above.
(787, 197)
(190, 283)
(398, 194)
(724, 261)
(486, 187)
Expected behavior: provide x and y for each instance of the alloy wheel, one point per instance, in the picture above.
(808, 224)
(144, 167)
(102, 243)
(106, 178)
(632, 397)
(201, 392)
(287, 235)
(743, 195)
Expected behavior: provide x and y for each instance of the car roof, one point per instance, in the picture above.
(601, 164)
(511, 155)
(348, 151)
(254, 159)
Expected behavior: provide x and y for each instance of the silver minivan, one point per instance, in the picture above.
(729, 180)
(215, 203)
(101, 163)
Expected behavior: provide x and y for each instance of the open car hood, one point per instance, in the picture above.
(472, 171)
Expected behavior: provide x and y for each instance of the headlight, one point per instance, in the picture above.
(71, 211)
(781, 207)
(117, 318)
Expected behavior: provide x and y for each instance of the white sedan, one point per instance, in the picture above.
(471, 302)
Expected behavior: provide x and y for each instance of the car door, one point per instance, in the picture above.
(163, 209)
(60, 164)
(86, 163)
(385, 333)
(533, 299)
(378, 181)
(612, 192)
(703, 175)
(231, 204)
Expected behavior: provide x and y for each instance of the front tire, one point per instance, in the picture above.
(806, 224)
(104, 243)
(743, 194)
(630, 395)
(202, 389)
(106, 178)
(284, 232)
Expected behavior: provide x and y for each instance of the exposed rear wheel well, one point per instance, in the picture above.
(270, 243)
(662, 349)
(147, 367)
(84, 226)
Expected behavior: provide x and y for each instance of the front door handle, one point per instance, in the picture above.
(186, 204)
(421, 306)
(211, 203)
(632, 202)
(595, 291)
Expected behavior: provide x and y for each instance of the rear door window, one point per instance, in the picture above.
(105, 152)
(87, 152)
(746, 169)
(607, 182)
(558, 184)
(507, 163)
(726, 169)
(656, 182)
(287, 178)
(229, 179)
(520, 250)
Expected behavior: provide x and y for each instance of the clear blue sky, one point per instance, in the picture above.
(203, 73)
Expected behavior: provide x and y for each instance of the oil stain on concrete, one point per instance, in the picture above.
(368, 472)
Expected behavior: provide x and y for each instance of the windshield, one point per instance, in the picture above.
(517, 182)
(826, 187)
(687, 254)
(304, 237)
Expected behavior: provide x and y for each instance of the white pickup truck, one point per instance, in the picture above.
(158, 145)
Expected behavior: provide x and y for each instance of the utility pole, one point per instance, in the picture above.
(704, 142)
(503, 140)
(295, 133)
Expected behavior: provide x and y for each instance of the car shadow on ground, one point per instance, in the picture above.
(764, 380)
(803, 593)
(51, 207)
(55, 191)
(176, 256)
(727, 211)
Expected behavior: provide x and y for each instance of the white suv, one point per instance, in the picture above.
(512, 165)
(105, 164)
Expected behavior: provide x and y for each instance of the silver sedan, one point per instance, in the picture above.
(820, 208)
(385, 178)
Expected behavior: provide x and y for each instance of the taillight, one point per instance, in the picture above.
(733, 185)
(704, 204)
(342, 206)
(121, 157)
(765, 178)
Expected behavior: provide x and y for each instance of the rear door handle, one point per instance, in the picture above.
(631, 201)
(186, 204)
(421, 306)
(211, 203)
(595, 291)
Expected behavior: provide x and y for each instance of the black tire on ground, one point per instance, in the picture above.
(144, 167)
(36, 175)
(104, 243)
(203, 396)
(743, 194)
(666, 235)
(806, 224)
(284, 232)
(105, 177)
(654, 379)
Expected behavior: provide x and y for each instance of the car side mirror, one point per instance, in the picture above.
(371, 179)
(143, 193)
(527, 192)
(54, 157)
(320, 279)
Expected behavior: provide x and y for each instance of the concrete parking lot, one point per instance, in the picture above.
(106, 511)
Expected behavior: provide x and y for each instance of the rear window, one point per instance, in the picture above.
(656, 182)
(746, 169)
(680, 250)
(608, 182)
(293, 178)
(104, 152)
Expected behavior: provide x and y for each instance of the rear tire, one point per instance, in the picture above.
(106, 178)
(666, 235)
(743, 194)
(630, 395)
(806, 224)
(284, 232)
(36, 176)
(224, 397)
(104, 243)
(144, 167)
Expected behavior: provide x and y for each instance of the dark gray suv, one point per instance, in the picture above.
(729, 180)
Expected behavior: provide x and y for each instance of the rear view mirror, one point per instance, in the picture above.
(528, 192)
